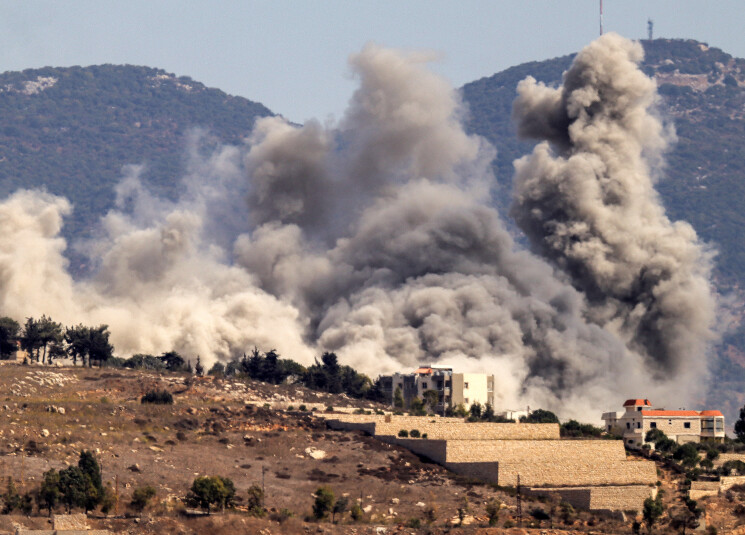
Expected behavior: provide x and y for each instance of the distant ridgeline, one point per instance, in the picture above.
(71, 130)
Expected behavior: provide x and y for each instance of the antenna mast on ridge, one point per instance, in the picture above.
(650, 29)
(601, 17)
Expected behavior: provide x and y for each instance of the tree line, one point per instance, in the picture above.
(44, 340)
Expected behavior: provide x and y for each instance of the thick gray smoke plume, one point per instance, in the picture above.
(377, 238)
(586, 200)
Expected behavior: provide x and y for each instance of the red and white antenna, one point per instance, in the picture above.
(601, 17)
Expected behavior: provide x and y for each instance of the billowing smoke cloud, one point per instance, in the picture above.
(586, 200)
(377, 238)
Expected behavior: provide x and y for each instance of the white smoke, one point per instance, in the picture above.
(375, 238)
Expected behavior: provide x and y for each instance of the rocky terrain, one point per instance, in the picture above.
(253, 433)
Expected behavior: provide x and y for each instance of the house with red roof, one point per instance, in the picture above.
(639, 417)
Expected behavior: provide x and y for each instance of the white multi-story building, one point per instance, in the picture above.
(638, 418)
(453, 388)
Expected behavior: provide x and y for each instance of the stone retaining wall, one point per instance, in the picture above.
(727, 482)
(476, 451)
(610, 498)
(562, 472)
(724, 457)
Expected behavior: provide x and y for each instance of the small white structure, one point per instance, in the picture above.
(682, 426)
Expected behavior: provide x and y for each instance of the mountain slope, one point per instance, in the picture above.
(72, 130)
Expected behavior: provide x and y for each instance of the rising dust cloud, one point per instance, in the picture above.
(377, 238)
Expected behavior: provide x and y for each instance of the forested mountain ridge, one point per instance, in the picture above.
(71, 130)
(702, 93)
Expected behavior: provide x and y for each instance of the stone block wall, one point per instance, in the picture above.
(472, 431)
(433, 450)
(727, 482)
(724, 457)
(562, 472)
(475, 451)
(609, 498)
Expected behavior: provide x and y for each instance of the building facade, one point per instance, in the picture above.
(453, 389)
(638, 418)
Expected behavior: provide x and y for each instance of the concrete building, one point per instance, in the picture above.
(453, 388)
(638, 418)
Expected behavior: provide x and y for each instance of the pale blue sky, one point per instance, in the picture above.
(291, 55)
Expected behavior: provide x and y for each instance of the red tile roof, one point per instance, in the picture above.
(427, 371)
(711, 413)
(635, 402)
(669, 413)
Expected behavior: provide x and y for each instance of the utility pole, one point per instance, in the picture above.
(116, 494)
(601, 17)
(519, 504)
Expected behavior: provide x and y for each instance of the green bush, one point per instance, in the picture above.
(158, 397)
(414, 433)
(403, 433)
(141, 497)
(414, 523)
(323, 503)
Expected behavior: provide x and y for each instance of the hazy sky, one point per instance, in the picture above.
(291, 55)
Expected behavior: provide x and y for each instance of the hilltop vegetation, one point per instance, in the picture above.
(72, 130)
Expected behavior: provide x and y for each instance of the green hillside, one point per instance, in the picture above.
(72, 130)
(703, 93)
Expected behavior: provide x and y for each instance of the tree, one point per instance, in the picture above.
(652, 511)
(217, 369)
(11, 498)
(256, 501)
(99, 348)
(173, 361)
(141, 497)
(474, 413)
(198, 368)
(687, 454)
(49, 493)
(416, 407)
(74, 485)
(488, 414)
(540, 416)
(431, 399)
(31, 338)
(207, 491)
(340, 507)
(9, 330)
(92, 343)
(398, 399)
(90, 467)
(323, 503)
(740, 426)
(49, 332)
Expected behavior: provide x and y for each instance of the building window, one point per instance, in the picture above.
(638, 425)
(639, 409)
(669, 422)
(424, 386)
(653, 425)
(466, 401)
(465, 385)
(609, 428)
(687, 425)
(628, 425)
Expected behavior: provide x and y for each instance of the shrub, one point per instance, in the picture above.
(282, 515)
(492, 511)
(403, 433)
(508, 524)
(340, 507)
(141, 497)
(414, 433)
(424, 435)
(303, 408)
(539, 514)
(324, 502)
(291, 408)
(256, 501)
(328, 409)
(158, 397)
(356, 512)
(414, 523)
